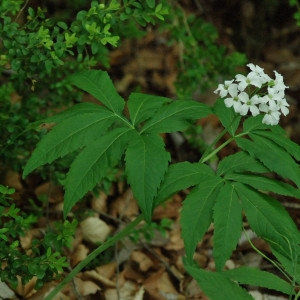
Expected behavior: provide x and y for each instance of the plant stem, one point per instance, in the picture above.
(206, 156)
(110, 242)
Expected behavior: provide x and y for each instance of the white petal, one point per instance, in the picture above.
(254, 110)
(243, 110)
(228, 102)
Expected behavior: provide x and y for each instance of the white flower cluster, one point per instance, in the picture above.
(244, 94)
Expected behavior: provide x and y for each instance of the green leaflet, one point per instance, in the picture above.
(265, 184)
(290, 263)
(254, 123)
(176, 116)
(268, 218)
(181, 176)
(216, 286)
(141, 107)
(146, 164)
(75, 110)
(69, 135)
(282, 141)
(228, 117)
(228, 224)
(99, 84)
(272, 156)
(92, 163)
(240, 162)
(256, 277)
(197, 211)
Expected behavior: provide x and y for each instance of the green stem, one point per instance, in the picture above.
(211, 154)
(110, 242)
(207, 154)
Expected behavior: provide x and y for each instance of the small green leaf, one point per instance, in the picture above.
(141, 107)
(176, 116)
(228, 224)
(256, 277)
(146, 164)
(150, 3)
(98, 84)
(91, 164)
(197, 212)
(216, 286)
(182, 176)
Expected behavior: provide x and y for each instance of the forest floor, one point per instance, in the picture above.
(153, 268)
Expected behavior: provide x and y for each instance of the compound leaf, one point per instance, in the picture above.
(92, 163)
(176, 116)
(99, 84)
(256, 277)
(181, 176)
(146, 164)
(216, 286)
(228, 224)
(141, 107)
(69, 135)
(197, 212)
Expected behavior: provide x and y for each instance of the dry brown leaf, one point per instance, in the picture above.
(86, 287)
(99, 202)
(160, 287)
(45, 290)
(54, 193)
(79, 254)
(26, 240)
(107, 270)
(132, 274)
(143, 261)
(176, 242)
(13, 179)
(124, 206)
(94, 230)
(26, 290)
(102, 280)
(193, 291)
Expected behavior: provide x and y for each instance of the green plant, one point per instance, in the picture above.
(241, 184)
(44, 262)
(37, 53)
(202, 60)
(297, 13)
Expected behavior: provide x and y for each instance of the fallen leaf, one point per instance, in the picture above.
(94, 230)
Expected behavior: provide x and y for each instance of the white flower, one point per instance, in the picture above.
(255, 99)
(259, 72)
(234, 100)
(277, 83)
(251, 78)
(272, 114)
(272, 97)
(282, 105)
(249, 104)
(223, 89)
